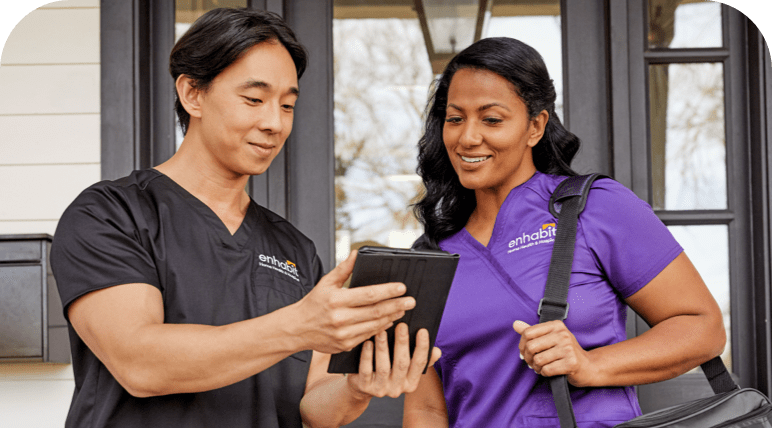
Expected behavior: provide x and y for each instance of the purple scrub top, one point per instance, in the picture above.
(621, 245)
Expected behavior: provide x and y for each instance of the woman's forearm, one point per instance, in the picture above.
(669, 349)
(330, 402)
(424, 418)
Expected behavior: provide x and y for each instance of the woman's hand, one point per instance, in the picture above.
(387, 379)
(550, 349)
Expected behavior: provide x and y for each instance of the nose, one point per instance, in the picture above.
(470, 136)
(269, 119)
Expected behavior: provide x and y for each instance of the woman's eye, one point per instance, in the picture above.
(453, 119)
(492, 120)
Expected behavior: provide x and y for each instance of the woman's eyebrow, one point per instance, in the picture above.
(482, 107)
(489, 105)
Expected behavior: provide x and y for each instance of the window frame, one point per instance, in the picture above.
(630, 124)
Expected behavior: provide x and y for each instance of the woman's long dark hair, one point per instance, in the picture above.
(446, 206)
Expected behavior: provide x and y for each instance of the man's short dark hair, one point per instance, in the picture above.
(219, 38)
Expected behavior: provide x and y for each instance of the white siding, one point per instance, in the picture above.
(42, 192)
(35, 395)
(65, 4)
(49, 152)
(49, 89)
(76, 41)
(49, 139)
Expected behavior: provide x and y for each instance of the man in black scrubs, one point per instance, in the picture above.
(191, 306)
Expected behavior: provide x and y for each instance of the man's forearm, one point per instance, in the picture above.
(161, 359)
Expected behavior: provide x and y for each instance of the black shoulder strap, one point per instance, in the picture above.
(719, 378)
(567, 202)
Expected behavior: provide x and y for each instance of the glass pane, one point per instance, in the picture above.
(185, 14)
(382, 75)
(537, 24)
(187, 11)
(684, 24)
(688, 144)
(708, 249)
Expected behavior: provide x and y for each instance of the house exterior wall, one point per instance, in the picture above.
(49, 114)
(49, 152)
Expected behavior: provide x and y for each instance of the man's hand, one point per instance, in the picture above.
(395, 380)
(335, 319)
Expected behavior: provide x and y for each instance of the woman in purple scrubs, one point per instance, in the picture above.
(492, 153)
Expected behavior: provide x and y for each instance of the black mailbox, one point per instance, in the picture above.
(32, 325)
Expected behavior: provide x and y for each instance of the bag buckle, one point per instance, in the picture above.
(563, 306)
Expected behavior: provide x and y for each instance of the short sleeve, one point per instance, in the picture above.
(630, 243)
(97, 245)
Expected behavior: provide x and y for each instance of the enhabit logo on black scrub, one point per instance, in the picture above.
(286, 267)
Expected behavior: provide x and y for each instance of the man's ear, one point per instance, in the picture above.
(189, 95)
(538, 124)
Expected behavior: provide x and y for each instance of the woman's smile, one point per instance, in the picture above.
(475, 159)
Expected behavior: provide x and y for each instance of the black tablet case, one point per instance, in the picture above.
(427, 274)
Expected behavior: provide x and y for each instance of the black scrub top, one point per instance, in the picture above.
(145, 228)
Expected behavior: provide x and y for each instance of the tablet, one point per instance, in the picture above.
(427, 274)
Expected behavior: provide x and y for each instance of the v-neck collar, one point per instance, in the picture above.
(239, 238)
(501, 216)
(489, 259)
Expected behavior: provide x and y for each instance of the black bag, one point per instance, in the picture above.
(731, 407)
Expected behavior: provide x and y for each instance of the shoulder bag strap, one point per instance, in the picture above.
(567, 201)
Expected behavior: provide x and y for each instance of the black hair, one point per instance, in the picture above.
(446, 205)
(219, 38)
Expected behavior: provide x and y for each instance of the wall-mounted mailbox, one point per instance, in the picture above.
(32, 325)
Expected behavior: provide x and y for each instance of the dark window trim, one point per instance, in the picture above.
(748, 158)
(658, 56)
(310, 147)
(760, 124)
(586, 77)
(739, 199)
(270, 188)
(136, 37)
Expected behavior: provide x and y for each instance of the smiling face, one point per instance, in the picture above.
(487, 132)
(245, 115)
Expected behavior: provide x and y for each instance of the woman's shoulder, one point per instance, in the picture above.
(607, 193)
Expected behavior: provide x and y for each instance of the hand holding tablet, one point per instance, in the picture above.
(427, 274)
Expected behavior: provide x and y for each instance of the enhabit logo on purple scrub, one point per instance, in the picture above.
(287, 267)
(545, 235)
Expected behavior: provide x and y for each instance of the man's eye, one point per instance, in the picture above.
(254, 100)
(288, 107)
